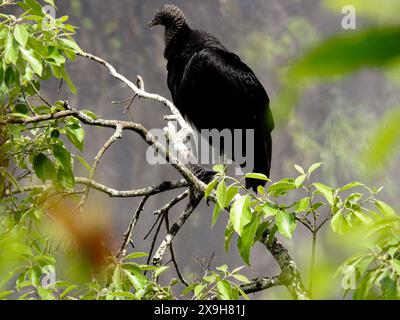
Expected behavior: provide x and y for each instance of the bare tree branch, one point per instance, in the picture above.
(116, 135)
(290, 275)
(169, 205)
(126, 125)
(260, 284)
(132, 224)
(192, 205)
(172, 252)
(113, 193)
(139, 90)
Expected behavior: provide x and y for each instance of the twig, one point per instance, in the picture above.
(139, 90)
(165, 210)
(41, 97)
(153, 243)
(171, 250)
(116, 135)
(192, 205)
(132, 224)
(169, 205)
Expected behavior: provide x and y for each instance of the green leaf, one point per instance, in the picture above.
(117, 278)
(63, 156)
(83, 162)
(38, 47)
(45, 294)
(385, 209)
(269, 211)
(21, 249)
(262, 228)
(224, 290)
(362, 217)
(35, 6)
(261, 190)
(299, 181)
(271, 235)
(230, 194)
(4, 294)
(216, 213)
(326, 191)
(314, 167)
(246, 240)
(351, 186)
(90, 114)
(2, 74)
(160, 270)
(258, 176)
(68, 290)
(350, 52)
(339, 223)
(50, 2)
(210, 187)
(55, 57)
(299, 169)
(241, 278)
(220, 168)
(21, 34)
(221, 193)
(396, 265)
(136, 255)
(281, 187)
(138, 280)
(30, 57)
(223, 268)
(10, 76)
(242, 293)
(76, 135)
(240, 214)
(66, 178)
(71, 44)
(198, 290)
(303, 204)
(12, 179)
(210, 278)
(11, 50)
(44, 167)
(68, 80)
(229, 231)
(286, 223)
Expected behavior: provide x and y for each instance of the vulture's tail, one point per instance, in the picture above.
(262, 158)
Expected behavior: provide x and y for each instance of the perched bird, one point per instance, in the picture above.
(213, 88)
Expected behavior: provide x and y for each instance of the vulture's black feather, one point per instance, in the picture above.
(213, 88)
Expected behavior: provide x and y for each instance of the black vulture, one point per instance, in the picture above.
(213, 88)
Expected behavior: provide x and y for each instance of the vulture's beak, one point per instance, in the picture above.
(153, 23)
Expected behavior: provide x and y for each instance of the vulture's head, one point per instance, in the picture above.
(169, 16)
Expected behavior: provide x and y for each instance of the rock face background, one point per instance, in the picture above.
(332, 121)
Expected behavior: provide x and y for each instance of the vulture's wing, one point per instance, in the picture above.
(225, 86)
